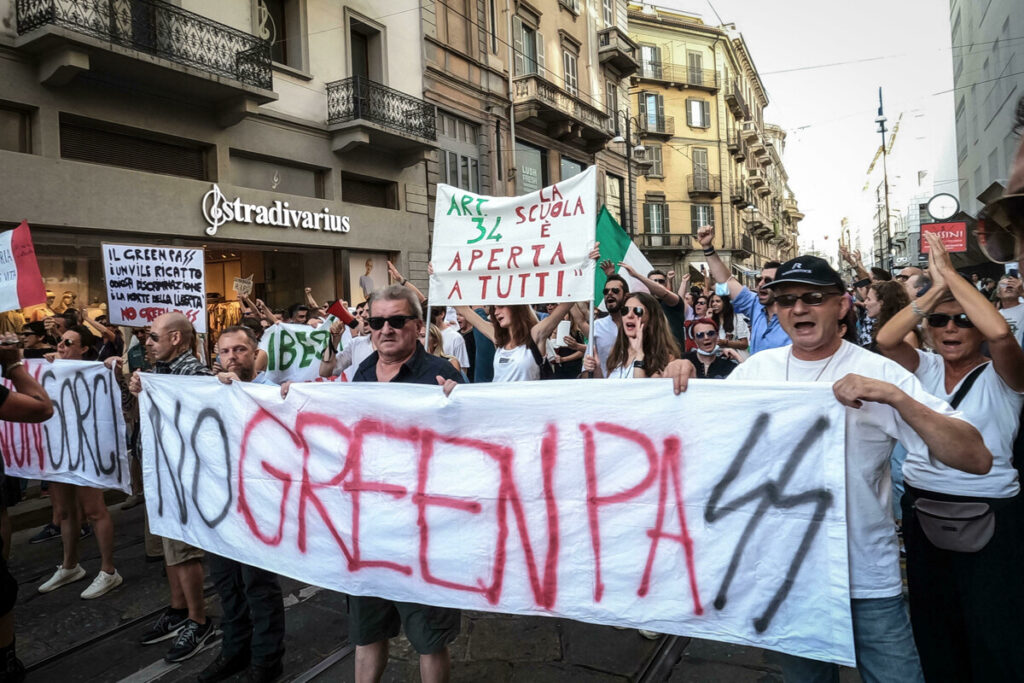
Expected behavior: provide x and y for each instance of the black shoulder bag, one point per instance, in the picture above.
(546, 370)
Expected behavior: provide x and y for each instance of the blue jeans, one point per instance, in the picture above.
(883, 641)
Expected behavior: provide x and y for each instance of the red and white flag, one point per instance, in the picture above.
(21, 284)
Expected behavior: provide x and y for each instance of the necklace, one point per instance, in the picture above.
(820, 372)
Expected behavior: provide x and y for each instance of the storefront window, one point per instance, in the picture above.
(531, 164)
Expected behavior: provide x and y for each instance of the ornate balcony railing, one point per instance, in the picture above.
(158, 28)
(360, 98)
(736, 102)
(658, 125)
(533, 87)
(662, 239)
(705, 183)
(679, 73)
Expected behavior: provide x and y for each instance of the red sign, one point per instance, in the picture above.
(952, 235)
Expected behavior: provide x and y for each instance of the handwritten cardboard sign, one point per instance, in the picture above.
(144, 282)
(515, 250)
(294, 351)
(243, 285)
(952, 235)
(84, 442)
(702, 515)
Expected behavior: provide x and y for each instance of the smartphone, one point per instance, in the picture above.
(1013, 272)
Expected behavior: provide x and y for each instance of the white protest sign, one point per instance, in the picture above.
(608, 501)
(515, 250)
(294, 351)
(144, 282)
(243, 285)
(84, 442)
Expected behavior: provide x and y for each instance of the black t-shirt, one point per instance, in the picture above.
(37, 353)
(421, 368)
(676, 316)
(470, 340)
(720, 368)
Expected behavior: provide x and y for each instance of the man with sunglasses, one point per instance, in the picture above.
(885, 404)
(1008, 293)
(396, 326)
(765, 330)
(606, 328)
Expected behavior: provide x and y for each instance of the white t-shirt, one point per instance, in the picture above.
(740, 329)
(454, 345)
(621, 372)
(871, 433)
(515, 365)
(1015, 317)
(605, 332)
(994, 409)
(353, 352)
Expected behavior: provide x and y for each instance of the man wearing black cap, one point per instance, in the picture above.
(885, 404)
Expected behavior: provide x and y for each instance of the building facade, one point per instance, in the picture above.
(988, 79)
(699, 106)
(140, 121)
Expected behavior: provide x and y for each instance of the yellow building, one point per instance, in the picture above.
(698, 107)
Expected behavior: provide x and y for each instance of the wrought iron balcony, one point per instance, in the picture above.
(735, 101)
(559, 114)
(704, 185)
(679, 75)
(361, 111)
(736, 145)
(659, 126)
(741, 196)
(616, 49)
(666, 240)
(106, 31)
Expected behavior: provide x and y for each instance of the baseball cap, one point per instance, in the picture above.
(807, 270)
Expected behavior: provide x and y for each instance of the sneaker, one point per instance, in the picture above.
(86, 531)
(649, 635)
(47, 533)
(263, 674)
(132, 501)
(189, 641)
(167, 626)
(223, 667)
(63, 577)
(102, 584)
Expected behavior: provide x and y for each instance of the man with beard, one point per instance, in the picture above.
(606, 328)
(252, 608)
(765, 330)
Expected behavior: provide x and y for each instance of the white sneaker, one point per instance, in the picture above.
(62, 577)
(102, 584)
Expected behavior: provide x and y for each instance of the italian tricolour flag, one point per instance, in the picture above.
(617, 247)
(21, 284)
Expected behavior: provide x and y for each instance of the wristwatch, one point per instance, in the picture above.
(638, 364)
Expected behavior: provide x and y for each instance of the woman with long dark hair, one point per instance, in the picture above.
(733, 331)
(645, 344)
(518, 338)
(884, 300)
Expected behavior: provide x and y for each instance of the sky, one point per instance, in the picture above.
(822, 63)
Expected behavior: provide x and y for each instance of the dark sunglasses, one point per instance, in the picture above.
(704, 335)
(765, 280)
(65, 342)
(809, 298)
(637, 311)
(701, 302)
(397, 322)
(611, 290)
(1000, 228)
(942, 319)
(660, 281)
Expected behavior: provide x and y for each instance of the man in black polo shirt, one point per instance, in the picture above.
(396, 326)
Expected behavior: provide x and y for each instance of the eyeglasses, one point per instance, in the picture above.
(809, 298)
(659, 281)
(942, 319)
(611, 290)
(65, 342)
(638, 311)
(397, 322)
(701, 302)
(764, 280)
(153, 336)
(704, 335)
(1000, 228)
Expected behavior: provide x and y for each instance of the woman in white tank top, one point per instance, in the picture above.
(644, 345)
(516, 333)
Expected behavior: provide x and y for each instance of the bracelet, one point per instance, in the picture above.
(708, 251)
(917, 311)
(7, 370)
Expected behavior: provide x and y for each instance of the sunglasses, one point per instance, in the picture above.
(765, 280)
(704, 335)
(65, 342)
(809, 298)
(701, 302)
(397, 322)
(942, 319)
(659, 281)
(637, 311)
(611, 290)
(1000, 228)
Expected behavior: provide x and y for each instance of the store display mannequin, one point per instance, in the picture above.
(67, 300)
(40, 312)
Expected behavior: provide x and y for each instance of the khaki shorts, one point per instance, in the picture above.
(179, 552)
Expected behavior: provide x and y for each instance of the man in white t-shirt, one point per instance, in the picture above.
(1009, 293)
(885, 404)
(606, 328)
(452, 342)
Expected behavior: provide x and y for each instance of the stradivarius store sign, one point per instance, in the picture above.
(218, 211)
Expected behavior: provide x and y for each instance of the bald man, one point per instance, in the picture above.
(169, 349)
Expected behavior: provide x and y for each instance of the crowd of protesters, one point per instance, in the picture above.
(927, 362)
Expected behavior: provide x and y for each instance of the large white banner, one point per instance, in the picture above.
(84, 442)
(294, 351)
(515, 250)
(718, 514)
(144, 282)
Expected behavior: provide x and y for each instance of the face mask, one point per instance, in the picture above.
(713, 352)
(721, 288)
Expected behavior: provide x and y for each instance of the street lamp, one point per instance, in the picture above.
(631, 149)
(880, 120)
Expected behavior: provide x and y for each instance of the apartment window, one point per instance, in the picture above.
(654, 155)
(366, 50)
(15, 130)
(701, 177)
(274, 175)
(961, 130)
(608, 12)
(701, 214)
(280, 23)
(656, 217)
(527, 47)
(367, 191)
(570, 168)
(611, 101)
(695, 68)
(99, 143)
(492, 17)
(613, 196)
(652, 111)
(459, 154)
(571, 5)
(456, 23)
(650, 61)
(698, 113)
(531, 168)
(569, 73)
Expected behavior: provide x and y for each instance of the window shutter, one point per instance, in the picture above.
(706, 113)
(694, 218)
(647, 217)
(689, 112)
(656, 56)
(664, 218)
(643, 110)
(711, 215)
(540, 53)
(517, 46)
(661, 112)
